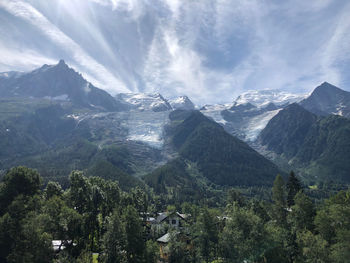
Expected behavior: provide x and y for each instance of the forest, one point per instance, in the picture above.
(93, 220)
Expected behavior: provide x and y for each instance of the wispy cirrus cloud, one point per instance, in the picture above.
(20, 60)
(211, 50)
(25, 11)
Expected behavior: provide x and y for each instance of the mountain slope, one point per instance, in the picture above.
(328, 99)
(319, 147)
(58, 83)
(285, 133)
(221, 158)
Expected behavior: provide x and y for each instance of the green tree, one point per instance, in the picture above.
(178, 250)
(234, 196)
(18, 181)
(333, 224)
(301, 216)
(278, 197)
(152, 252)
(135, 243)
(52, 189)
(32, 243)
(92, 217)
(64, 223)
(79, 192)
(244, 237)
(279, 249)
(114, 240)
(206, 232)
(293, 187)
(314, 248)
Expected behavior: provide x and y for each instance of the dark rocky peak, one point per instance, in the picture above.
(328, 99)
(327, 89)
(62, 63)
(58, 82)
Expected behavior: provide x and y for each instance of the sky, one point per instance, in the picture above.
(209, 50)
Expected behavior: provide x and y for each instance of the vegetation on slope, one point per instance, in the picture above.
(221, 158)
(319, 147)
(95, 220)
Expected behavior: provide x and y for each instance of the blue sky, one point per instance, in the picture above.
(210, 50)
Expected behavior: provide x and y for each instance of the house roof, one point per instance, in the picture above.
(164, 239)
(162, 216)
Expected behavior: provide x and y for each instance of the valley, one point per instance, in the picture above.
(42, 123)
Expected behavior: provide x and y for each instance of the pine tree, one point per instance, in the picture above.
(278, 196)
(293, 187)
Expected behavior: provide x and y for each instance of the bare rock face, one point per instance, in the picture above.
(328, 99)
(59, 83)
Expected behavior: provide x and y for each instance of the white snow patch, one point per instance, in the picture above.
(182, 102)
(63, 97)
(339, 110)
(261, 98)
(214, 112)
(73, 116)
(256, 124)
(179, 100)
(147, 127)
(145, 101)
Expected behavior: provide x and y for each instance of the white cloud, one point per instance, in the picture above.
(337, 50)
(134, 8)
(210, 50)
(27, 12)
(21, 60)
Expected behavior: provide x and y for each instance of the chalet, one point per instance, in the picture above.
(164, 222)
(172, 219)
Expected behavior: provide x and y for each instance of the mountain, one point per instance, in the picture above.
(214, 112)
(57, 83)
(145, 102)
(328, 99)
(318, 147)
(52, 119)
(54, 141)
(250, 112)
(182, 103)
(246, 120)
(285, 132)
(261, 98)
(219, 157)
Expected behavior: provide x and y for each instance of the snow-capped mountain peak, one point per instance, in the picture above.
(145, 101)
(182, 102)
(262, 98)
